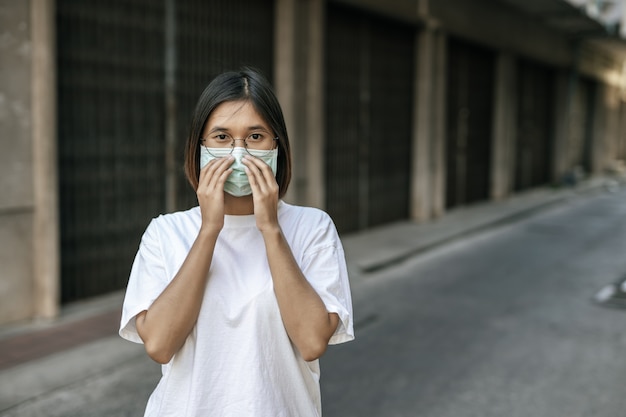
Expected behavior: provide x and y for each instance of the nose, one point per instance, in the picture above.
(238, 152)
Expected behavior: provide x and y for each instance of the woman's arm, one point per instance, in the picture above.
(164, 327)
(309, 325)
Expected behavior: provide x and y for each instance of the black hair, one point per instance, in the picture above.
(248, 84)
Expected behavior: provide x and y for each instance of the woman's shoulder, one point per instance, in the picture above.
(176, 220)
(308, 221)
(304, 213)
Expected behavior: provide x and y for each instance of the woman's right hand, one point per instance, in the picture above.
(210, 192)
(165, 326)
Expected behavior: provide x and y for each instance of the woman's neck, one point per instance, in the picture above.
(238, 206)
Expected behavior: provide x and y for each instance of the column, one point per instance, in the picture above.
(504, 128)
(439, 126)
(299, 84)
(45, 254)
(428, 157)
(564, 94)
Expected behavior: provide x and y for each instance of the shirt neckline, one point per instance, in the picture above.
(244, 220)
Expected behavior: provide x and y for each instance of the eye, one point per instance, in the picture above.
(221, 137)
(256, 136)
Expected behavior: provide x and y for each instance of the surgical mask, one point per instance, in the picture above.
(237, 183)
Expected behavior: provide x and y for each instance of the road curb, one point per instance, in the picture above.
(458, 224)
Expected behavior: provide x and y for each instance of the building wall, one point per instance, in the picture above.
(499, 26)
(29, 256)
(16, 179)
(588, 79)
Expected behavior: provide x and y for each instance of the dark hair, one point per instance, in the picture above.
(247, 84)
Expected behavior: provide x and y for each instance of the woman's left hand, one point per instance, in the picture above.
(264, 193)
(307, 321)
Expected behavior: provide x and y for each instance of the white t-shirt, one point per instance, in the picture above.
(238, 361)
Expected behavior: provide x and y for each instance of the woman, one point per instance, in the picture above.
(239, 297)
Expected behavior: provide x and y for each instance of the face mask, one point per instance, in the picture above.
(237, 183)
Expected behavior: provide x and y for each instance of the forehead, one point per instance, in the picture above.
(235, 114)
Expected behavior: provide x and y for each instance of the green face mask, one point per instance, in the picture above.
(237, 183)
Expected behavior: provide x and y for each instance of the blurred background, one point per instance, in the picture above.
(398, 110)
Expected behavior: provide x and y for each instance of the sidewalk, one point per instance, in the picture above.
(380, 247)
(37, 358)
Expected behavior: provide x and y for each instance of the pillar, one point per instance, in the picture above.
(504, 128)
(428, 151)
(16, 162)
(564, 94)
(299, 84)
(46, 253)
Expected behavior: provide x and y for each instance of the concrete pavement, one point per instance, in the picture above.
(40, 359)
(377, 248)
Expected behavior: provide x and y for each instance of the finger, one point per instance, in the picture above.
(221, 172)
(253, 180)
(262, 171)
(221, 179)
(255, 177)
(216, 166)
(209, 167)
(263, 167)
(214, 170)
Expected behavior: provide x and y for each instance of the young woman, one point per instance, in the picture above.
(239, 297)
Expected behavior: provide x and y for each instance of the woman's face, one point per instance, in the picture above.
(236, 120)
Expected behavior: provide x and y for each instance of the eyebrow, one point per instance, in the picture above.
(225, 129)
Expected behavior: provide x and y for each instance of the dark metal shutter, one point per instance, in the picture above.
(369, 90)
(391, 112)
(110, 112)
(469, 123)
(589, 89)
(343, 108)
(111, 93)
(534, 141)
(580, 134)
(211, 37)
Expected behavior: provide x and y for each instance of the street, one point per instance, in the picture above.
(501, 323)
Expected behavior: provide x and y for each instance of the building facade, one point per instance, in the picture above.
(397, 109)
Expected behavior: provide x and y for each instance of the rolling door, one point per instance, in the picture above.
(534, 142)
(469, 126)
(212, 37)
(110, 112)
(369, 85)
(112, 118)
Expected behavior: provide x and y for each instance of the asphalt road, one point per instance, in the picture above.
(501, 324)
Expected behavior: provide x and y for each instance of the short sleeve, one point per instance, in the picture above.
(147, 281)
(325, 268)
